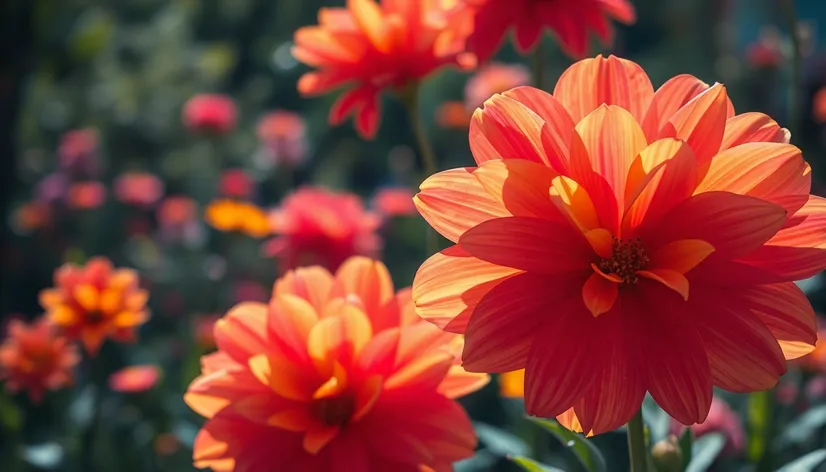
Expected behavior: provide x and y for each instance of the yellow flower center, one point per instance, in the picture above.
(627, 257)
(334, 411)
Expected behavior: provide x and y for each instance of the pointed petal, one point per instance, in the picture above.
(613, 81)
(575, 204)
(369, 281)
(529, 244)
(679, 377)
(242, 332)
(613, 140)
(504, 128)
(449, 284)
(454, 201)
(310, 283)
(682, 255)
(774, 172)
(701, 123)
(599, 294)
(287, 379)
(504, 324)
(732, 224)
(786, 312)
(752, 128)
(564, 359)
(521, 185)
(458, 382)
(339, 337)
(314, 441)
(670, 278)
(289, 322)
(371, 20)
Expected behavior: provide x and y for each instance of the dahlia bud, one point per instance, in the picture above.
(667, 455)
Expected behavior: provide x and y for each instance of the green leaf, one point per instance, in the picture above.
(531, 465)
(11, 417)
(584, 450)
(806, 463)
(499, 441)
(705, 451)
(803, 427)
(686, 440)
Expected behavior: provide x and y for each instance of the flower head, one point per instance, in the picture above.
(176, 211)
(78, 152)
(211, 113)
(138, 188)
(236, 183)
(86, 195)
(95, 301)
(615, 240)
(379, 46)
(570, 21)
(35, 358)
(284, 137)
(134, 379)
(334, 370)
(321, 227)
(232, 215)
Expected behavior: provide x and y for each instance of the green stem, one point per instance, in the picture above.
(796, 88)
(538, 67)
(636, 444)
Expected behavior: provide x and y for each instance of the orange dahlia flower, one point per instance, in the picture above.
(377, 46)
(615, 240)
(35, 358)
(336, 374)
(231, 215)
(570, 21)
(96, 301)
(316, 226)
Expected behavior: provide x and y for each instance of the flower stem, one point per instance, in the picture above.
(538, 67)
(410, 98)
(796, 88)
(636, 444)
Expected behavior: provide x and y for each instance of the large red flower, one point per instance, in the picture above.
(615, 240)
(336, 374)
(377, 46)
(571, 21)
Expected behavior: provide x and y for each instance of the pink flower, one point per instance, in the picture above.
(86, 195)
(394, 201)
(211, 113)
(134, 379)
(235, 183)
(138, 188)
(283, 135)
(78, 152)
(721, 419)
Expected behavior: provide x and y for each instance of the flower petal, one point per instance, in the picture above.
(774, 172)
(752, 127)
(530, 244)
(504, 128)
(504, 323)
(454, 201)
(732, 224)
(449, 284)
(521, 185)
(786, 312)
(310, 283)
(669, 98)
(701, 123)
(289, 322)
(369, 281)
(242, 332)
(613, 81)
(286, 378)
(599, 294)
(339, 337)
(670, 278)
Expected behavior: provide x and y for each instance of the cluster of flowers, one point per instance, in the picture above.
(612, 240)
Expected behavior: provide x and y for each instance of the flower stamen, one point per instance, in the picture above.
(627, 258)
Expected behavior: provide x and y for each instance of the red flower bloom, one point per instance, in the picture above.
(284, 136)
(319, 226)
(138, 188)
(86, 195)
(376, 47)
(134, 379)
(569, 20)
(337, 374)
(95, 301)
(235, 183)
(614, 241)
(35, 358)
(177, 211)
(210, 113)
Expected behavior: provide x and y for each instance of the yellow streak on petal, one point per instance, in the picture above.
(87, 296)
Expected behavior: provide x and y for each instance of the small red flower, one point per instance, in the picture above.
(35, 358)
(767, 51)
(138, 188)
(86, 195)
(319, 226)
(236, 183)
(135, 379)
(177, 211)
(284, 137)
(212, 113)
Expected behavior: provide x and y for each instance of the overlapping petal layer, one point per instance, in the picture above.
(615, 240)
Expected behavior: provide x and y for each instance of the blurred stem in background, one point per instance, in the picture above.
(538, 66)
(410, 98)
(796, 86)
(636, 444)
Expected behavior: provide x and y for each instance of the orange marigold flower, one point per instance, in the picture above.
(139, 378)
(35, 358)
(95, 301)
(615, 240)
(335, 373)
(231, 215)
(321, 227)
(378, 46)
(570, 21)
(212, 113)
